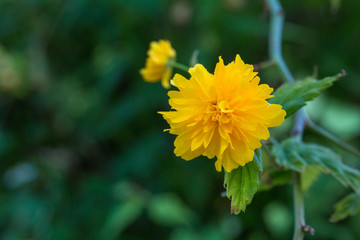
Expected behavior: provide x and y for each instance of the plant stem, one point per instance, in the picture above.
(275, 38)
(275, 41)
(299, 213)
(177, 65)
(324, 133)
(300, 122)
(298, 207)
(265, 64)
(275, 52)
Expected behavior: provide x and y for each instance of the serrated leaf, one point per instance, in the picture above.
(293, 96)
(296, 155)
(242, 183)
(348, 206)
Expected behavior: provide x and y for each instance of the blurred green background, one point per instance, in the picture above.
(82, 149)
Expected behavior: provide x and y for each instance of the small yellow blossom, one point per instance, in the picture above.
(222, 115)
(156, 66)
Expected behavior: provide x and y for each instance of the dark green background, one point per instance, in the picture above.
(82, 149)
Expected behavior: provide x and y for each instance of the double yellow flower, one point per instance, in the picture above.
(223, 115)
(156, 66)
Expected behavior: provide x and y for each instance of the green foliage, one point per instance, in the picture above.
(273, 178)
(293, 96)
(297, 156)
(122, 216)
(309, 176)
(242, 183)
(340, 117)
(348, 206)
(169, 210)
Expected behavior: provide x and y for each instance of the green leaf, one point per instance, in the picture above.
(297, 156)
(293, 96)
(348, 206)
(272, 178)
(310, 175)
(242, 183)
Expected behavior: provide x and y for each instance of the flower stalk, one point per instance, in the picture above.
(173, 64)
(264, 64)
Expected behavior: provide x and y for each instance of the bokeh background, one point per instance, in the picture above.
(82, 149)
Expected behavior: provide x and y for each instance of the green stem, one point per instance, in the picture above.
(275, 52)
(177, 65)
(275, 38)
(298, 207)
(265, 64)
(301, 121)
(324, 133)
(266, 147)
(299, 213)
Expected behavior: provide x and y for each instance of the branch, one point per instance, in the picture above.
(302, 120)
(275, 38)
(300, 227)
(275, 52)
(324, 133)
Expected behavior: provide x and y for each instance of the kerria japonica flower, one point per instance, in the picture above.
(156, 65)
(222, 115)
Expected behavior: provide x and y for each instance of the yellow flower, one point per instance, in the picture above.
(224, 115)
(156, 66)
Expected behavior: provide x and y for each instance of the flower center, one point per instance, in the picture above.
(220, 112)
(224, 107)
